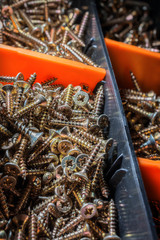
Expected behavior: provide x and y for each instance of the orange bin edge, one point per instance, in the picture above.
(14, 60)
(151, 176)
(144, 64)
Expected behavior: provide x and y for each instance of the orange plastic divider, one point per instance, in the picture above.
(151, 176)
(144, 64)
(14, 60)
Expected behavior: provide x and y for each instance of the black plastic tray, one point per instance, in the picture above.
(134, 214)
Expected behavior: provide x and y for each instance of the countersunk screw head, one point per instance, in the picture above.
(111, 237)
(7, 88)
(12, 169)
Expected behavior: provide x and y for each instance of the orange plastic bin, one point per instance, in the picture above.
(14, 60)
(144, 64)
(146, 67)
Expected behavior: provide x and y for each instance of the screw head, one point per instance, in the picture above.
(81, 98)
(64, 146)
(8, 182)
(66, 110)
(47, 178)
(65, 206)
(12, 169)
(88, 210)
(6, 11)
(69, 162)
(81, 160)
(103, 121)
(8, 87)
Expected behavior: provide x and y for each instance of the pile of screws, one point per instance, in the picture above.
(143, 115)
(129, 22)
(50, 27)
(155, 207)
(52, 158)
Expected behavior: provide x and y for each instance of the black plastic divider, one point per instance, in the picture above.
(135, 219)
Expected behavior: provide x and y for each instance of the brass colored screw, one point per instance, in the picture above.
(33, 226)
(83, 24)
(111, 226)
(8, 90)
(39, 99)
(134, 80)
(4, 204)
(21, 87)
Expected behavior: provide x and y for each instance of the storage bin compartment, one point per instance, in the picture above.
(145, 66)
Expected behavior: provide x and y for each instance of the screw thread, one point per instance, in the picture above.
(18, 99)
(20, 235)
(36, 188)
(138, 110)
(83, 24)
(75, 15)
(40, 207)
(35, 172)
(5, 131)
(33, 227)
(99, 101)
(74, 37)
(58, 223)
(78, 197)
(9, 102)
(134, 80)
(69, 123)
(97, 173)
(32, 79)
(69, 94)
(81, 142)
(3, 202)
(35, 2)
(86, 190)
(44, 228)
(26, 19)
(18, 4)
(17, 38)
(42, 160)
(1, 36)
(28, 108)
(46, 12)
(35, 40)
(65, 37)
(92, 157)
(49, 189)
(84, 57)
(96, 229)
(71, 52)
(24, 198)
(70, 225)
(48, 82)
(112, 217)
(41, 148)
(103, 186)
